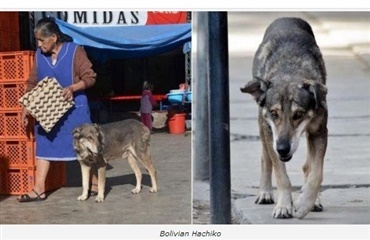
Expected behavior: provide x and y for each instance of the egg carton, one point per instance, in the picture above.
(46, 103)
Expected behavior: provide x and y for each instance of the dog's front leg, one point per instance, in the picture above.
(283, 208)
(316, 145)
(102, 167)
(101, 184)
(306, 170)
(85, 171)
(265, 195)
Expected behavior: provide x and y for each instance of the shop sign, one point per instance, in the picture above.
(115, 18)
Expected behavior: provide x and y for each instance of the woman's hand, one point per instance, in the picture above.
(68, 93)
(25, 118)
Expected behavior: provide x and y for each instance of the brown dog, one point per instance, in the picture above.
(289, 86)
(96, 144)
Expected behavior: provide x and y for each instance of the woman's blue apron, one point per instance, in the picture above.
(57, 144)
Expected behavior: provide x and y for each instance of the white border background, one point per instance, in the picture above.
(72, 232)
(152, 232)
(194, 5)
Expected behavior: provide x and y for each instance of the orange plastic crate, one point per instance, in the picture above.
(16, 66)
(16, 181)
(17, 154)
(11, 127)
(10, 93)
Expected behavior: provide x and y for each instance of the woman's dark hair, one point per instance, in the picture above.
(147, 85)
(47, 26)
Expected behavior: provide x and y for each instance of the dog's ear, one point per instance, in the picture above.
(257, 88)
(100, 135)
(76, 132)
(98, 129)
(318, 91)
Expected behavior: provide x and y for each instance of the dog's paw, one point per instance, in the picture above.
(82, 197)
(317, 208)
(302, 208)
(99, 199)
(282, 212)
(265, 198)
(136, 190)
(153, 190)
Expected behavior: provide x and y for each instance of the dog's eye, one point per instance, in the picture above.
(298, 115)
(273, 114)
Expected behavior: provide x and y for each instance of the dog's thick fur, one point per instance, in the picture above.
(96, 144)
(288, 84)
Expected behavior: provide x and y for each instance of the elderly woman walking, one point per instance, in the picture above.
(58, 57)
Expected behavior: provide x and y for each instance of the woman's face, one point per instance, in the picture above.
(46, 44)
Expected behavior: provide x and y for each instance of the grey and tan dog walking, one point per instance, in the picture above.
(97, 144)
(288, 84)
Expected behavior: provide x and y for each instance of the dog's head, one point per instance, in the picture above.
(88, 141)
(288, 108)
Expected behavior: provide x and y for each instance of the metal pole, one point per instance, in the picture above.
(32, 24)
(219, 116)
(200, 103)
(188, 56)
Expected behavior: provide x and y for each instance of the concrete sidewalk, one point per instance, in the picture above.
(171, 156)
(344, 39)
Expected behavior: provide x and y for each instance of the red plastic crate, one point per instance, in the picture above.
(11, 127)
(10, 93)
(19, 181)
(9, 41)
(17, 154)
(16, 66)
(9, 31)
(9, 21)
(57, 176)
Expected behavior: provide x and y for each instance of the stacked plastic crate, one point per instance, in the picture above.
(9, 31)
(17, 144)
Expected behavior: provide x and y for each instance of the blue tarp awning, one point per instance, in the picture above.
(129, 41)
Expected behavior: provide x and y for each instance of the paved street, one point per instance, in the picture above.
(171, 205)
(344, 39)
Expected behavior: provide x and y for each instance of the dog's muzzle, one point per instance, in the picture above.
(286, 159)
(91, 153)
(283, 149)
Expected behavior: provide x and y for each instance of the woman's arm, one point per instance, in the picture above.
(84, 75)
(32, 78)
(152, 101)
(31, 82)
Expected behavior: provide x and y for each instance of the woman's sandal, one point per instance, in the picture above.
(27, 198)
(93, 193)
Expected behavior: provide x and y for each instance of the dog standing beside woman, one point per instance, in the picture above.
(58, 57)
